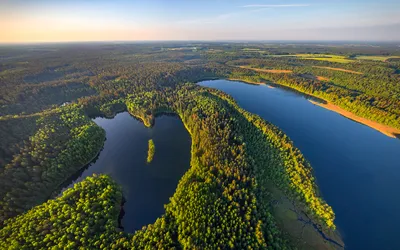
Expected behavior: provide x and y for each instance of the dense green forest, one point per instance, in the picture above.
(228, 196)
(240, 164)
(64, 141)
(34, 79)
(151, 151)
(84, 216)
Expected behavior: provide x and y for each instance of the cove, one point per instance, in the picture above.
(357, 168)
(146, 186)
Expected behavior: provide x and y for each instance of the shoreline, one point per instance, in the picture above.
(245, 81)
(251, 82)
(384, 129)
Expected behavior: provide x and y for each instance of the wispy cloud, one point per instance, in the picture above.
(250, 9)
(222, 17)
(209, 20)
(258, 9)
(274, 5)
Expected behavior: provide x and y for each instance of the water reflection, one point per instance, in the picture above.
(146, 187)
(357, 167)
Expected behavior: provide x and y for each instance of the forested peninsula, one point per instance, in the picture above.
(248, 186)
(240, 165)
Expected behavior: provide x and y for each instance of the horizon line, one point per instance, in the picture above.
(197, 40)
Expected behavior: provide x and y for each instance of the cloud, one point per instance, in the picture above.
(210, 20)
(274, 5)
(258, 9)
(222, 17)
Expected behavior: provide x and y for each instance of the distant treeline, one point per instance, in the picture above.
(48, 96)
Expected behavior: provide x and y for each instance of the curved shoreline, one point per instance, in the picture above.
(384, 129)
(61, 187)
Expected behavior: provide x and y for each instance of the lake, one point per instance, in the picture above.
(357, 168)
(146, 187)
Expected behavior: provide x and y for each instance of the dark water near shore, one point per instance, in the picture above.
(146, 187)
(357, 167)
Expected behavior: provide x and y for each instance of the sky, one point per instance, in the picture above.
(24, 21)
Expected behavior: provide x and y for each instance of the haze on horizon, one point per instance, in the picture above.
(24, 21)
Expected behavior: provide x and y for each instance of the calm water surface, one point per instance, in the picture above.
(146, 187)
(357, 167)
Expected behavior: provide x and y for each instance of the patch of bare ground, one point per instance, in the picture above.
(275, 71)
(321, 78)
(384, 129)
(339, 69)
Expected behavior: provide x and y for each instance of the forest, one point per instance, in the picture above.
(227, 195)
(151, 151)
(240, 163)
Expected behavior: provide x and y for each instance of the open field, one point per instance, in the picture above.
(377, 58)
(319, 57)
(275, 71)
(340, 69)
(251, 49)
(325, 57)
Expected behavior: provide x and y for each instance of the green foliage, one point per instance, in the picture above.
(65, 141)
(151, 151)
(237, 158)
(84, 217)
(223, 199)
(283, 164)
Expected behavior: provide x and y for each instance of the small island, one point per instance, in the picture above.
(151, 151)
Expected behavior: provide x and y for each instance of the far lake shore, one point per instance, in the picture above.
(384, 129)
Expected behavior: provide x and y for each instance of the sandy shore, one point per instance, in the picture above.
(389, 131)
(384, 129)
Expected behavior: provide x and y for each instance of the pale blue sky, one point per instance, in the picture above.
(90, 20)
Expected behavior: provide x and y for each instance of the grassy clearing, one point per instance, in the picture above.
(282, 55)
(325, 57)
(376, 58)
(338, 60)
(319, 57)
(275, 71)
(295, 222)
(339, 69)
(250, 49)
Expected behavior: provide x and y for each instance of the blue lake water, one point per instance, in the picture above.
(146, 187)
(357, 168)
